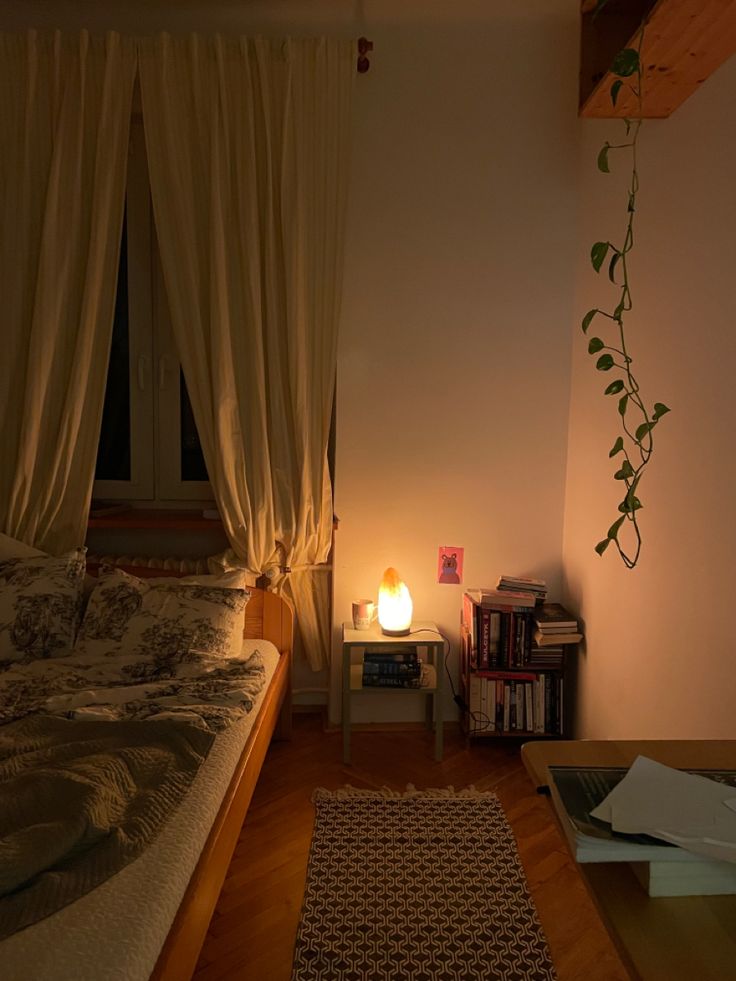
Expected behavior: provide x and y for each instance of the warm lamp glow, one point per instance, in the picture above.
(394, 605)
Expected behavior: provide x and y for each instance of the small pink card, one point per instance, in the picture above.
(450, 564)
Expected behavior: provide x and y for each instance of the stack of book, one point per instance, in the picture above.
(555, 626)
(537, 587)
(392, 669)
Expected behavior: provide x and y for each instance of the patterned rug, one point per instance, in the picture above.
(422, 886)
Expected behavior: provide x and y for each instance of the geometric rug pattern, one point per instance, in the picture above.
(421, 886)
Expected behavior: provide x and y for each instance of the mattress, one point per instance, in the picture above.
(116, 931)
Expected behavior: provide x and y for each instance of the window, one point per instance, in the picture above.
(149, 447)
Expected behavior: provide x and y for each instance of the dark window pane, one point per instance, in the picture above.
(192, 459)
(113, 452)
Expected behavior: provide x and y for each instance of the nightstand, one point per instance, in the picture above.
(429, 642)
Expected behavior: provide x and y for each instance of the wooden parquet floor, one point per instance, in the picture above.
(251, 936)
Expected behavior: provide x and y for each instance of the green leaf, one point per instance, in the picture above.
(622, 403)
(602, 546)
(595, 344)
(615, 89)
(613, 530)
(659, 410)
(612, 266)
(641, 431)
(603, 159)
(625, 472)
(604, 362)
(627, 123)
(632, 203)
(614, 388)
(626, 62)
(587, 319)
(598, 254)
(628, 505)
(617, 446)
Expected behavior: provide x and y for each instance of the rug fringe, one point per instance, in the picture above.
(322, 793)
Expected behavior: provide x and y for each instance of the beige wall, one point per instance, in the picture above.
(454, 359)
(659, 658)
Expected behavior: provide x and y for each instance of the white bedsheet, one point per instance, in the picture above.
(115, 932)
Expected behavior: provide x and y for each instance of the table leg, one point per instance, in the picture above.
(437, 704)
(346, 706)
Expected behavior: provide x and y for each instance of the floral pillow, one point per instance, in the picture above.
(166, 621)
(40, 605)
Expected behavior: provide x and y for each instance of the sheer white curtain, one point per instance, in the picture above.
(248, 144)
(65, 107)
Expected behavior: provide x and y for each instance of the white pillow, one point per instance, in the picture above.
(164, 619)
(11, 548)
(40, 605)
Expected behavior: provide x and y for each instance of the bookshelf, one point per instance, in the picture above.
(512, 687)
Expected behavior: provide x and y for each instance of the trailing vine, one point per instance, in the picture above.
(636, 444)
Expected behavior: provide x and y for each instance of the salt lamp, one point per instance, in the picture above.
(394, 605)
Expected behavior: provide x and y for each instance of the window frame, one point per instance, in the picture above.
(154, 365)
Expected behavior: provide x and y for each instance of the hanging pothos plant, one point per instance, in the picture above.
(633, 448)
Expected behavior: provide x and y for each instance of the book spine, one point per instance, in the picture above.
(495, 637)
(467, 619)
(503, 639)
(549, 718)
(490, 704)
(529, 705)
(512, 705)
(560, 713)
(484, 658)
(520, 706)
(540, 704)
(500, 687)
(506, 706)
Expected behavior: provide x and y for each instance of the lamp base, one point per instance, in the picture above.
(396, 633)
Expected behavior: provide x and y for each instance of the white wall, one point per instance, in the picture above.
(454, 358)
(659, 658)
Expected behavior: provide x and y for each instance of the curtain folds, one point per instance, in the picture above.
(65, 105)
(248, 143)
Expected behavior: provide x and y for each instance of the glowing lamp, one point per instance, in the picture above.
(394, 605)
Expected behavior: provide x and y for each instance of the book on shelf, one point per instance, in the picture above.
(554, 616)
(546, 657)
(555, 640)
(408, 655)
(524, 584)
(515, 702)
(502, 598)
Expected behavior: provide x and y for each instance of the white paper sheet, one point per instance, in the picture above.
(691, 811)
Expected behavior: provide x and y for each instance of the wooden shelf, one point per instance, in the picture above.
(153, 518)
(490, 734)
(685, 41)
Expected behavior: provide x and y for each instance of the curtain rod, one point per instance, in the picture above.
(364, 48)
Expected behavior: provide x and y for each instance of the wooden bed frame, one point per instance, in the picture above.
(267, 617)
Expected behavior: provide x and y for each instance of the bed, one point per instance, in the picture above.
(109, 932)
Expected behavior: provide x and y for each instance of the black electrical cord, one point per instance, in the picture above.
(482, 720)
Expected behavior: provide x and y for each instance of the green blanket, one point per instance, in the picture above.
(80, 800)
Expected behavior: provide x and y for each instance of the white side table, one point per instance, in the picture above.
(355, 643)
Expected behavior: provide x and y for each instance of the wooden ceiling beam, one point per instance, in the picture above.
(685, 41)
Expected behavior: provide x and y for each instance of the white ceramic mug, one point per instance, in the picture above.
(365, 612)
